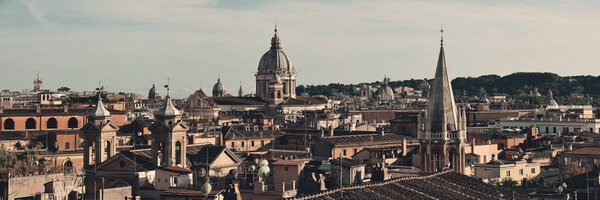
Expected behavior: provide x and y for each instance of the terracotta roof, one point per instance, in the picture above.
(175, 170)
(290, 162)
(585, 151)
(300, 101)
(442, 185)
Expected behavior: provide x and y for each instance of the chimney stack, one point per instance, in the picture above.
(65, 108)
(330, 131)
(473, 146)
(403, 146)
(38, 109)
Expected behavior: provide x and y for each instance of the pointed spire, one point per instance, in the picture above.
(240, 91)
(275, 43)
(442, 113)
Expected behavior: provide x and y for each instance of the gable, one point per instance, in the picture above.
(120, 163)
(223, 160)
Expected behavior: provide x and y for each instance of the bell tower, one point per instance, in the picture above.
(99, 135)
(168, 136)
(442, 128)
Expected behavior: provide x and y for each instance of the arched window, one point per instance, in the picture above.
(107, 149)
(30, 123)
(68, 166)
(73, 123)
(52, 123)
(9, 124)
(178, 153)
(278, 94)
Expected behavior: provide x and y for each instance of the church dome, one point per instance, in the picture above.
(385, 92)
(275, 60)
(218, 89)
(153, 93)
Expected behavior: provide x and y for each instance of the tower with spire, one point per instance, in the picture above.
(240, 91)
(168, 135)
(442, 127)
(275, 62)
(98, 134)
(37, 84)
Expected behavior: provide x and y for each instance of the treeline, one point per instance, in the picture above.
(515, 85)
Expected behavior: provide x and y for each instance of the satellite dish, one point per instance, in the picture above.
(202, 172)
(252, 168)
(263, 172)
(263, 163)
(206, 188)
(307, 149)
(232, 172)
(256, 160)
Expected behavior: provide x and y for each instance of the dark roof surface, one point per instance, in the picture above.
(240, 132)
(370, 139)
(238, 101)
(442, 185)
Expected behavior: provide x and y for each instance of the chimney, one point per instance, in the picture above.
(382, 131)
(38, 109)
(473, 146)
(65, 108)
(330, 132)
(403, 146)
(570, 146)
(1, 109)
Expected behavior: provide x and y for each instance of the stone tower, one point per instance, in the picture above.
(168, 136)
(275, 62)
(37, 84)
(99, 136)
(442, 128)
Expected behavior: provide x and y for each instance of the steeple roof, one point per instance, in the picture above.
(442, 108)
(168, 109)
(99, 110)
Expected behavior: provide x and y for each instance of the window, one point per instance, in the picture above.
(9, 124)
(532, 170)
(508, 173)
(252, 143)
(67, 145)
(262, 143)
(286, 168)
(344, 152)
(243, 144)
(355, 151)
(553, 129)
(547, 129)
(232, 144)
(175, 181)
(73, 123)
(30, 123)
(52, 123)
(521, 172)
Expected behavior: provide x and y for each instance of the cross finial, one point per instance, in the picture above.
(442, 36)
(99, 89)
(167, 86)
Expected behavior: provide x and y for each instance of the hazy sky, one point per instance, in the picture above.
(128, 45)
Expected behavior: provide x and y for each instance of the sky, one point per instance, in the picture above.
(129, 45)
